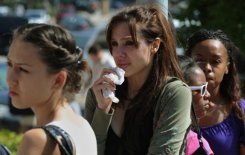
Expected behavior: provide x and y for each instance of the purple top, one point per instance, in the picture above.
(225, 138)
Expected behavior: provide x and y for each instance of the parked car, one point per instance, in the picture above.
(87, 5)
(75, 23)
(85, 39)
(37, 16)
(8, 24)
(4, 10)
(65, 10)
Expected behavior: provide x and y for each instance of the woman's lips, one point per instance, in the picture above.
(209, 77)
(12, 93)
(123, 66)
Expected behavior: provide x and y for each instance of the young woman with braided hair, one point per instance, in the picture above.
(223, 124)
(44, 69)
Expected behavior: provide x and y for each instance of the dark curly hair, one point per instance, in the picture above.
(58, 50)
(230, 85)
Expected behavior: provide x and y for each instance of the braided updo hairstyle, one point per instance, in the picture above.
(58, 50)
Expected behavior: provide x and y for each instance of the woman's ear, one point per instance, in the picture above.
(227, 68)
(60, 80)
(155, 45)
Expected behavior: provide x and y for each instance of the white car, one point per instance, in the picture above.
(37, 16)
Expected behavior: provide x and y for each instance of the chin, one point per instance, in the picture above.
(18, 105)
(211, 85)
(126, 74)
(200, 114)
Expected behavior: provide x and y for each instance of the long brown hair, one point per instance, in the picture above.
(150, 23)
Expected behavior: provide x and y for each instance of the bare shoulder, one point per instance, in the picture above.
(35, 137)
(36, 141)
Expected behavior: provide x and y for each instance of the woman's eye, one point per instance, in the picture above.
(199, 61)
(217, 61)
(129, 43)
(9, 64)
(113, 44)
(23, 70)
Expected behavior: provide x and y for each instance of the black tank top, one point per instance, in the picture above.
(135, 141)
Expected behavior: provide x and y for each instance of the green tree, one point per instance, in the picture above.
(10, 139)
(226, 15)
(215, 14)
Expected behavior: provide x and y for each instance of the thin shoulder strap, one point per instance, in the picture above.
(64, 140)
(196, 126)
(4, 150)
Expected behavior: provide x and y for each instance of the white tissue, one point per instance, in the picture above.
(118, 79)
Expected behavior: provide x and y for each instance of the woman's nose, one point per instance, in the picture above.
(120, 51)
(207, 95)
(11, 77)
(206, 67)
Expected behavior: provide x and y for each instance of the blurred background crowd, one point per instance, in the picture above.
(87, 19)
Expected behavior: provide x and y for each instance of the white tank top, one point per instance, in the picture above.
(83, 138)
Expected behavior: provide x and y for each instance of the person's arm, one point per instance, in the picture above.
(174, 121)
(99, 120)
(90, 106)
(36, 141)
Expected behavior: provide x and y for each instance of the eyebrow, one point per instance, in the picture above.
(198, 54)
(213, 55)
(20, 64)
(124, 38)
(23, 64)
(217, 55)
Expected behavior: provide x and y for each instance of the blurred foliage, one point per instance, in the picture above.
(215, 14)
(226, 15)
(10, 139)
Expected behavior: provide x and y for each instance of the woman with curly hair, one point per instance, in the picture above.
(223, 124)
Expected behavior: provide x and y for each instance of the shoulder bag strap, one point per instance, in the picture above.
(64, 140)
(196, 126)
(4, 150)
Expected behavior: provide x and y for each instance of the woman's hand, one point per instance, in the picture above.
(102, 83)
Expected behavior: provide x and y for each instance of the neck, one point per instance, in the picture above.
(218, 110)
(216, 115)
(49, 111)
(216, 96)
(136, 82)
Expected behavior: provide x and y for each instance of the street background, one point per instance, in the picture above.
(87, 19)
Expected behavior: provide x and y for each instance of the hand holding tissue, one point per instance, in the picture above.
(118, 78)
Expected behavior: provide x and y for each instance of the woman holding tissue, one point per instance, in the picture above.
(153, 112)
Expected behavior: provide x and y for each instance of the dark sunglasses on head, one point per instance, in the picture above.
(202, 88)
